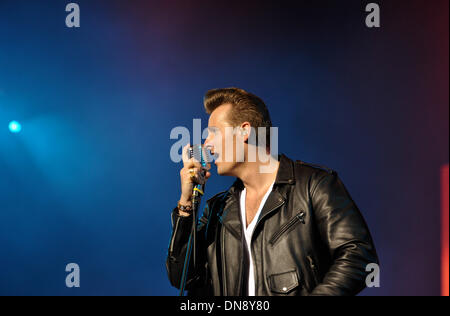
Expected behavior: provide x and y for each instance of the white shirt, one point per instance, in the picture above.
(248, 231)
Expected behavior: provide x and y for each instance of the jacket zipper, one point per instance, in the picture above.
(300, 217)
(314, 269)
(172, 238)
(223, 248)
(265, 215)
(224, 285)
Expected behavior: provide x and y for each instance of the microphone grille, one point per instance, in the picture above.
(201, 154)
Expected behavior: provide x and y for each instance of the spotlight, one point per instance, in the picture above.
(15, 127)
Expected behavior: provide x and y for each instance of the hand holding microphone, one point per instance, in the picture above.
(195, 171)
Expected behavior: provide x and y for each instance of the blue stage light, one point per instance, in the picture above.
(15, 127)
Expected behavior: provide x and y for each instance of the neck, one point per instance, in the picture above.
(252, 176)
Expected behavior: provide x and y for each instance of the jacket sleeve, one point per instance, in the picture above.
(176, 256)
(346, 235)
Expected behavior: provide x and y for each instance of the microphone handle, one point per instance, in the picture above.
(197, 193)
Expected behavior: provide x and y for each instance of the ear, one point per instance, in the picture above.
(245, 130)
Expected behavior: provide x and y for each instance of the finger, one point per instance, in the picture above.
(194, 173)
(185, 153)
(205, 175)
(200, 179)
(205, 171)
(193, 164)
(197, 175)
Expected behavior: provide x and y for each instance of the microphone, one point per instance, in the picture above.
(202, 155)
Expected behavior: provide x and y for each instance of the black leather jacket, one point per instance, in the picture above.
(310, 239)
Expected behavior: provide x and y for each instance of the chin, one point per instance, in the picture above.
(220, 171)
(223, 169)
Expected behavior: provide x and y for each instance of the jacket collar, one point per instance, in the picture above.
(230, 216)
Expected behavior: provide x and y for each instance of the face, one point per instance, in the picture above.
(222, 141)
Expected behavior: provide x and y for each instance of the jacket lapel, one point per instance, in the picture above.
(230, 217)
(274, 201)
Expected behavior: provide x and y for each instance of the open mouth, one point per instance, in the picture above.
(214, 156)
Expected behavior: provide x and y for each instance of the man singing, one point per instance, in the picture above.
(283, 228)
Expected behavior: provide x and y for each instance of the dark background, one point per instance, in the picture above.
(89, 179)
